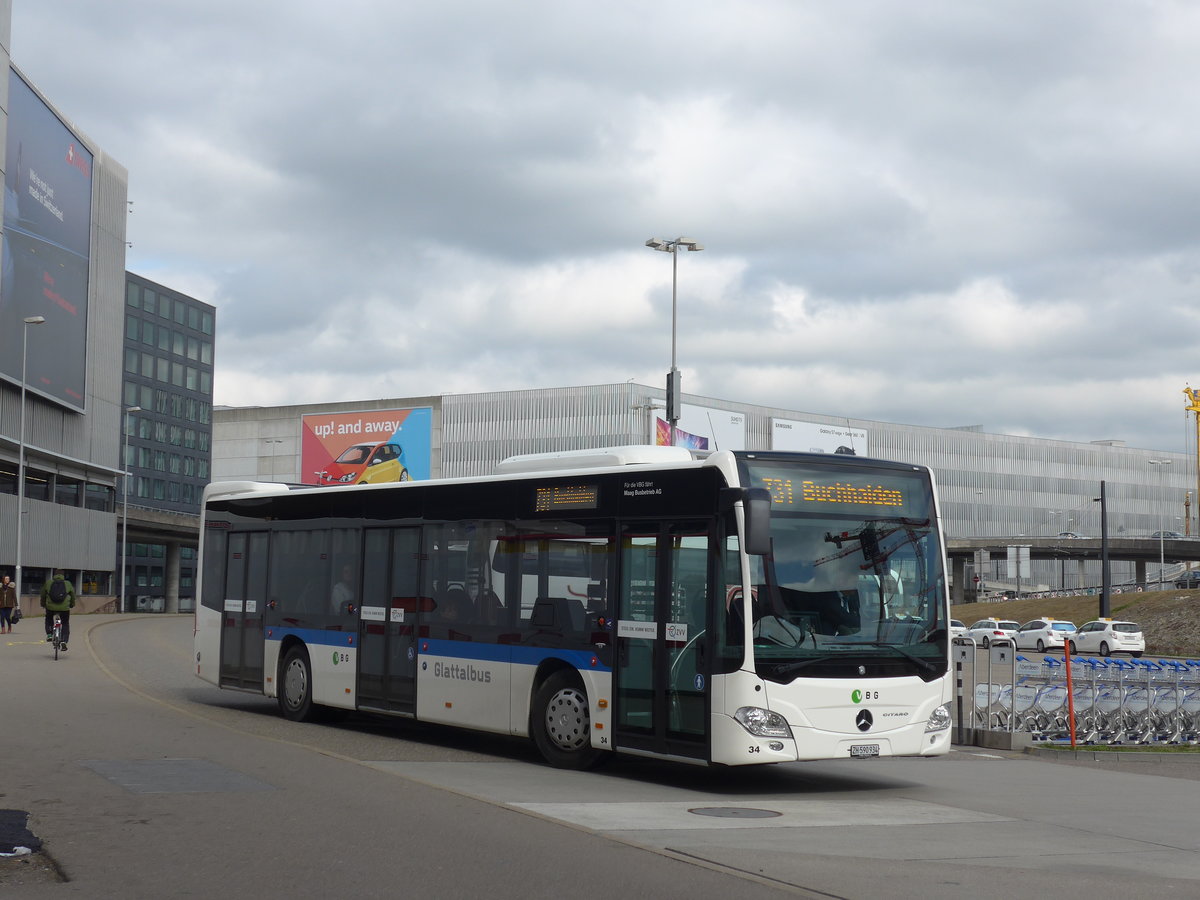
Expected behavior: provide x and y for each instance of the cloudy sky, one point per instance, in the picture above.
(935, 212)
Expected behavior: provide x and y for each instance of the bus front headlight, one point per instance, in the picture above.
(939, 720)
(762, 722)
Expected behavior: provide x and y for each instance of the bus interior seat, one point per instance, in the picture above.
(558, 614)
(454, 604)
(597, 600)
(491, 610)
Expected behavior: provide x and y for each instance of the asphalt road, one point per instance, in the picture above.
(144, 782)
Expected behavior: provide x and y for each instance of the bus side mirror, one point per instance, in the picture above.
(757, 507)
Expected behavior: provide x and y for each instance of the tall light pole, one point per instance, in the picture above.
(674, 391)
(28, 320)
(1161, 534)
(125, 499)
(273, 442)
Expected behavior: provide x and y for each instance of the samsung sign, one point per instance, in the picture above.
(46, 247)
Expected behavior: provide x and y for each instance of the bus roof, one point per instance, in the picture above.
(598, 458)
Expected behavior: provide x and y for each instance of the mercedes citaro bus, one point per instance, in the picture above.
(736, 608)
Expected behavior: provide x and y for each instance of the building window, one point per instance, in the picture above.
(164, 306)
(130, 392)
(67, 491)
(206, 322)
(133, 293)
(206, 352)
(164, 339)
(99, 497)
(148, 333)
(180, 314)
(131, 361)
(132, 327)
(177, 343)
(192, 382)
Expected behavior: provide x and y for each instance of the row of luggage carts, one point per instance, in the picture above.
(1115, 701)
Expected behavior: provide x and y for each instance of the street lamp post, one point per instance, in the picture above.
(674, 391)
(1161, 533)
(125, 499)
(28, 320)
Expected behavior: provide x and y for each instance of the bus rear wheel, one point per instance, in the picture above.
(295, 686)
(561, 724)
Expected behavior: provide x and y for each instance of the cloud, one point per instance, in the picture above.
(940, 213)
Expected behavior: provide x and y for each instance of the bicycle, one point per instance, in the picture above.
(56, 635)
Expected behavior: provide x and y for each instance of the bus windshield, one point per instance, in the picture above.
(855, 576)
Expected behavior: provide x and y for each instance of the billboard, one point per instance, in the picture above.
(46, 248)
(701, 428)
(813, 437)
(367, 447)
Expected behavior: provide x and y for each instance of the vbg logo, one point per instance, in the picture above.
(856, 696)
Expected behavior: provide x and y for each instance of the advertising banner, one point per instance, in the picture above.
(813, 437)
(366, 447)
(46, 249)
(701, 428)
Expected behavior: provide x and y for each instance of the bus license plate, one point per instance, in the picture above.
(863, 751)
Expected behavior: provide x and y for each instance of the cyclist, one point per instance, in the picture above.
(58, 596)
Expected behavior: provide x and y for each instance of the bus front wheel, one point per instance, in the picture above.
(295, 686)
(560, 723)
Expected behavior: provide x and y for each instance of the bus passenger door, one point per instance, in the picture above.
(387, 655)
(661, 667)
(242, 620)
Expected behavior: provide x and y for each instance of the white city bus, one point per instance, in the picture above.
(745, 607)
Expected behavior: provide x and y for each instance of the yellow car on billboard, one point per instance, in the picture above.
(371, 463)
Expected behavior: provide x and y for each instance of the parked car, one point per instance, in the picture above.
(1108, 636)
(1067, 534)
(987, 630)
(1041, 634)
(1189, 579)
(1167, 536)
(957, 628)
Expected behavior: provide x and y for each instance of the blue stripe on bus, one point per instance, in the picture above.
(525, 656)
(583, 660)
(314, 636)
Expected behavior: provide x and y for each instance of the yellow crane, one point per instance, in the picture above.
(1193, 406)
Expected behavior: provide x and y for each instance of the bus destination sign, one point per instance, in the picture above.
(553, 497)
(811, 488)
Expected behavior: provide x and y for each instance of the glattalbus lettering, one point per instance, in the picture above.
(461, 673)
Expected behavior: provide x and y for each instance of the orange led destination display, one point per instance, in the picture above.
(788, 492)
(851, 489)
(566, 496)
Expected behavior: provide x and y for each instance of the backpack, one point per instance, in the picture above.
(58, 591)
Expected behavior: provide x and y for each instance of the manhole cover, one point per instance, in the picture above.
(734, 812)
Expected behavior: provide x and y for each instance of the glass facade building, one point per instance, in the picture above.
(167, 389)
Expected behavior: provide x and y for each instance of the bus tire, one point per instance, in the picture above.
(560, 723)
(295, 686)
